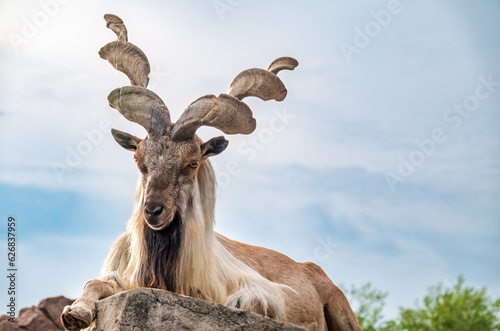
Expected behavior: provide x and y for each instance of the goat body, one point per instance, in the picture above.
(189, 258)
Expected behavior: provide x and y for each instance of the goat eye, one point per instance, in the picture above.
(194, 165)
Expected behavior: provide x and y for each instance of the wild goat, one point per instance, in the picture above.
(170, 243)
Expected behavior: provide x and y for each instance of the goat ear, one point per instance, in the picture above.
(214, 146)
(126, 140)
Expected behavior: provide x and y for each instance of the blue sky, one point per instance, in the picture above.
(376, 80)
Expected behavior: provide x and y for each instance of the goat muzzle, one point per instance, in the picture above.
(152, 210)
(155, 216)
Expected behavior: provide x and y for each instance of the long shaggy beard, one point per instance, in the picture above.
(161, 252)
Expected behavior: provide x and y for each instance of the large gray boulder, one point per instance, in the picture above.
(152, 309)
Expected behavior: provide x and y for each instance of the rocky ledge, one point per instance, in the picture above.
(153, 309)
(147, 309)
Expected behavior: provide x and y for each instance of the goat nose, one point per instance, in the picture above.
(152, 209)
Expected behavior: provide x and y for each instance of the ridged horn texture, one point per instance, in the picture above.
(261, 83)
(141, 106)
(125, 56)
(116, 24)
(227, 112)
(283, 63)
(224, 112)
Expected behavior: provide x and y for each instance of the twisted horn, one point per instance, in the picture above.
(261, 83)
(227, 112)
(116, 24)
(125, 56)
(141, 106)
(282, 63)
(224, 112)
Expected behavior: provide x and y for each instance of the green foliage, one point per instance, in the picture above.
(370, 305)
(459, 308)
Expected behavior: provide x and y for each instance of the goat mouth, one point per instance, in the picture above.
(160, 226)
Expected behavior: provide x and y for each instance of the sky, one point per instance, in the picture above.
(382, 164)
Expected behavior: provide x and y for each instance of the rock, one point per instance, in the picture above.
(44, 317)
(6, 325)
(53, 307)
(153, 309)
(33, 319)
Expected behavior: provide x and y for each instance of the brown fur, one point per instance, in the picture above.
(309, 280)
